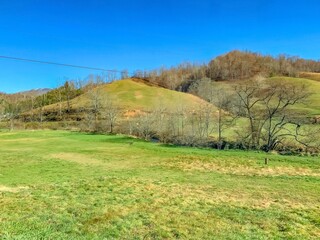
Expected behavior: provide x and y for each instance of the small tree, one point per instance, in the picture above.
(95, 96)
(221, 98)
(12, 109)
(143, 125)
(111, 112)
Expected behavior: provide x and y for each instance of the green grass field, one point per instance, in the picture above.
(68, 185)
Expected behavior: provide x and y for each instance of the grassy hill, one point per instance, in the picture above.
(133, 94)
(310, 75)
(312, 105)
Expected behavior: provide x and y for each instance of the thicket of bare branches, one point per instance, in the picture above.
(235, 65)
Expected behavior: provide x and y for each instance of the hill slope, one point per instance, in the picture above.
(312, 105)
(133, 95)
(310, 75)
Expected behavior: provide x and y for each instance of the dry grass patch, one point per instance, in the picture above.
(27, 140)
(108, 161)
(138, 94)
(240, 169)
(310, 75)
(77, 158)
(11, 189)
(156, 195)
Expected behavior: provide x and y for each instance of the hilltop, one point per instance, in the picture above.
(129, 95)
(134, 94)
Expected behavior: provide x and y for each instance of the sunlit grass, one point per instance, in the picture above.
(62, 185)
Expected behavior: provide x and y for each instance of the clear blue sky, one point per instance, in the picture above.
(145, 34)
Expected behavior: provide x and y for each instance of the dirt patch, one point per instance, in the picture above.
(132, 113)
(11, 189)
(77, 158)
(138, 95)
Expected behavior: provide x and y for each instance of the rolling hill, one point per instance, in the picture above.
(131, 95)
(135, 95)
(312, 105)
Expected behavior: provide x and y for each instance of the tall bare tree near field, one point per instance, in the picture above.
(111, 112)
(201, 121)
(3, 104)
(279, 97)
(67, 91)
(32, 99)
(179, 119)
(220, 97)
(308, 136)
(42, 103)
(248, 98)
(12, 109)
(267, 106)
(59, 97)
(160, 115)
(95, 96)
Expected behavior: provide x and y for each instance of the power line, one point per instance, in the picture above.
(61, 64)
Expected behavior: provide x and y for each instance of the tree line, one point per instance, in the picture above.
(233, 66)
(252, 114)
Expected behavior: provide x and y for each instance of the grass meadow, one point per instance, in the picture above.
(69, 185)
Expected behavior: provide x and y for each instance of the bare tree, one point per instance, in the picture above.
(124, 74)
(2, 109)
(221, 97)
(12, 109)
(247, 102)
(111, 112)
(68, 92)
(267, 106)
(143, 125)
(96, 98)
(276, 111)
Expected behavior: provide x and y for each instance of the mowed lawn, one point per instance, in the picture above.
(67, 185)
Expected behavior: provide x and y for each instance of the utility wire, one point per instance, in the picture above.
(61, 64)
